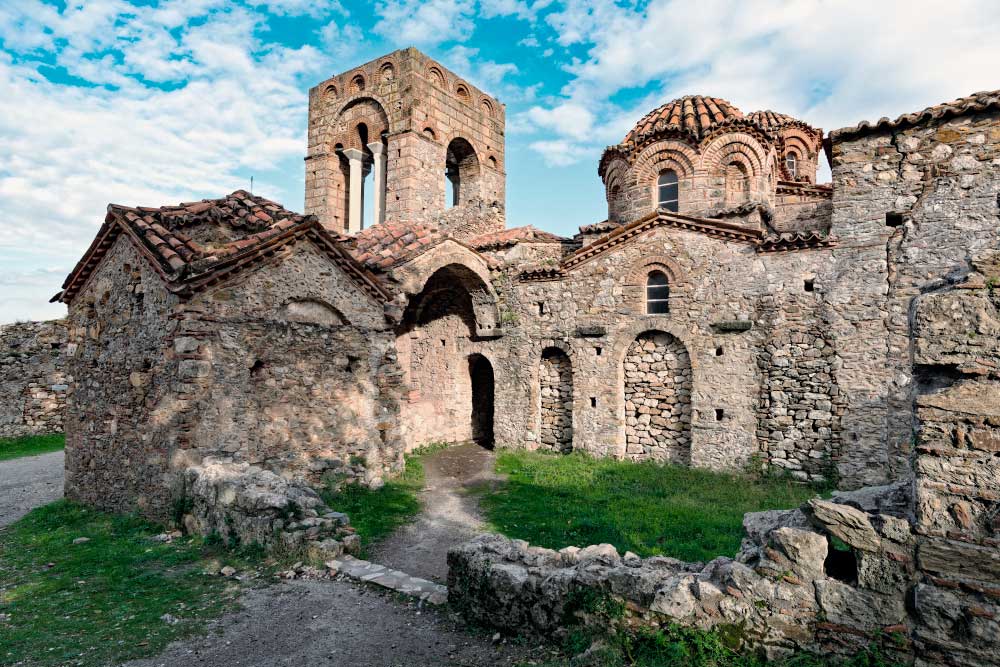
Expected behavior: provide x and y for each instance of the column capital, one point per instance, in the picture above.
(353, 153)
(376, 147)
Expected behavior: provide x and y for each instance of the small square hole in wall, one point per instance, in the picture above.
(893, 219)
(809, 284)
(598, 350)
(718, 351)
(443, 342)
(541, 307)
(719, 414)
(593, 401)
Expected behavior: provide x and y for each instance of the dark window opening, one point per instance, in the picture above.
(893, 219)
(657, 293)
(541, 307)
(443, 342)
(593, 401)
(598, 351)
(719, 414)
(841, 563)
(667, 191)
(809, 285)
(256, 368)
(718, 351)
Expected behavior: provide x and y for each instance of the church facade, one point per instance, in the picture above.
(728, 312)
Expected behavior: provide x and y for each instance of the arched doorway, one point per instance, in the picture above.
(657, 372)
(481, 377)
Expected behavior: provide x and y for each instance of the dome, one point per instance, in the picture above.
(772, 120)
(694, 114)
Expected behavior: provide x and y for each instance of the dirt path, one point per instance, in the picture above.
(29, 482)
(450, 514)
(340, 624)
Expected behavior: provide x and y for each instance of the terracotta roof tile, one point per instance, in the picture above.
(243, 228)
(975, 103)
(382, 246)
(512, 236)
(694, 115)
(602, 227)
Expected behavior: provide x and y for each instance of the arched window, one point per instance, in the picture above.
(657, 293)
(667, 192)
(792, 165)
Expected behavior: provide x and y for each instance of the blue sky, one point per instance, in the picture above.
(153, 102)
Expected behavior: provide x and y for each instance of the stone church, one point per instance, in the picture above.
(728, 312)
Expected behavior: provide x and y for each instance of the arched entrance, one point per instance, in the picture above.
(481, 378)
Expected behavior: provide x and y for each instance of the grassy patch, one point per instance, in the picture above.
(102, 601)
(376, 513)
(30, 445)
(556, 501)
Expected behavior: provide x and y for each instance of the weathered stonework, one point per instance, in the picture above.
(33, 378)
(658, 400)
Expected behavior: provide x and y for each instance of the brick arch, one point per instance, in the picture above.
(634, 287)
(614, 178)
(367, 109)
(740, 147)
(662, 155)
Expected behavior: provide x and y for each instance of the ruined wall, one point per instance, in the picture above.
(33, 378)
(910, 206)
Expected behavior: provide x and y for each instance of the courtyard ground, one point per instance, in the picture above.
(29, 482)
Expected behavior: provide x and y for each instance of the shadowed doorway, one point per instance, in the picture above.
(481, 374)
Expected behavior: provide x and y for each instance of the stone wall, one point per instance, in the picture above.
(33, 378)
(658, 399)
(555, 379)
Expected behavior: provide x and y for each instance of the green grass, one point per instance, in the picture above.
(30, 445)
(100, 602)
(376, 513)
(651, 509)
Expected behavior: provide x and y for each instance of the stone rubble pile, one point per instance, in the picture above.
(249, 505)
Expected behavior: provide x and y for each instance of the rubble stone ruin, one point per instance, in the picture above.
(729, 311)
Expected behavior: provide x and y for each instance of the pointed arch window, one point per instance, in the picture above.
(792, 165)
(667, 190)
(657, 293)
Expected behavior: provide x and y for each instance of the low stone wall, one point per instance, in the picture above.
(789, 589)
(33, 379)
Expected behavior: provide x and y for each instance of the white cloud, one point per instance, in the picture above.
(832, 64)
(559, 153)
(530, 41)
(424, 22)
(236, 107)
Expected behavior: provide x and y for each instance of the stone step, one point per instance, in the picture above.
(394, 580)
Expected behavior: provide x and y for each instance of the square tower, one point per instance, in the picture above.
(413, 127)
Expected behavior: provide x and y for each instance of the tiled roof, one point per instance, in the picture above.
(975, 103)
(197, 244)
(384, 245)
(821, 190)
(771, 120)
(541, 272)
(512, 236)
(694, 115)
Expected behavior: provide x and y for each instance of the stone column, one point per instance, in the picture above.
(379, 161)
(355, 189)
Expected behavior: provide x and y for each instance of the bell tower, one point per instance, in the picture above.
(427, 140)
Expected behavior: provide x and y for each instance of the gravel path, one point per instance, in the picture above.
(29, 482)
(450, 514)
(337, 623)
